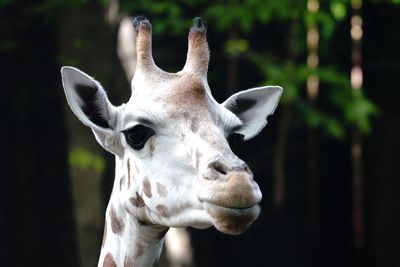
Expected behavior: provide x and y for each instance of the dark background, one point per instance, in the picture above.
(312, 226)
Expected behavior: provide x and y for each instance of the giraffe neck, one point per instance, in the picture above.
(128, 241)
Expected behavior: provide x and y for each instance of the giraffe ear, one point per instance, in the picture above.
(253, 106)
(89, 102)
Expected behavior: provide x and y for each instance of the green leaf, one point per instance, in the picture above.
(319, 119)
(235, 47)
(360, 111)
(338, 9)
(84, 159)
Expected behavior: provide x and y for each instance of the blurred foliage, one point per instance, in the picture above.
(342, 109)
(85, 160)
(338, 9)
(236, 47)
(346, 108)
(4, 2)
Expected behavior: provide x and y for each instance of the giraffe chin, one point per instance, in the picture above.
(232, 221)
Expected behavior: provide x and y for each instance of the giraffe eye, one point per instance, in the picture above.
(234, 140)
(138, 135)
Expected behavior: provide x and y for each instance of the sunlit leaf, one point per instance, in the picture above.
(338, 9)
(85, 160)
(235, 47)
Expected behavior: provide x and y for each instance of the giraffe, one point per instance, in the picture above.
(174, 165)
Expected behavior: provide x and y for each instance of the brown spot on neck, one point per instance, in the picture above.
(121, 182)
(109, 261)
(117, 225)
(129, 172)
(163, 210)
(137, 201)
(161, 190)
(147, 187)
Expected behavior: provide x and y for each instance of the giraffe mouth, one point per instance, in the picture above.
(237, 204)
(238, 192)
(231, 220)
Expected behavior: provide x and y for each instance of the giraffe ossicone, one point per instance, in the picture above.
(174, 163)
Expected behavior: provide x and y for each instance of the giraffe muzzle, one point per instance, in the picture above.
(230, 195)
(230, 187)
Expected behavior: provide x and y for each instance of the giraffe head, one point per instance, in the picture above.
(172, 140)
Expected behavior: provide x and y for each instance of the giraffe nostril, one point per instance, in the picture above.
(219, 167)
(220, 170)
